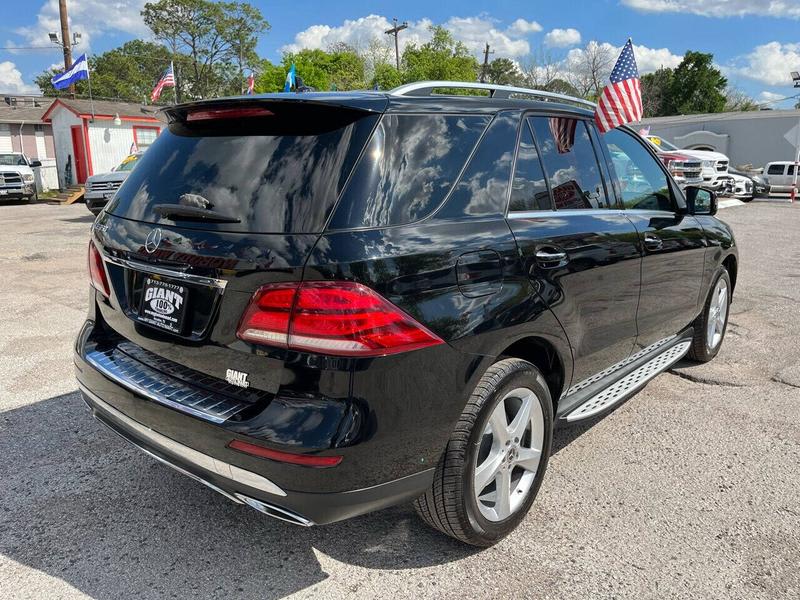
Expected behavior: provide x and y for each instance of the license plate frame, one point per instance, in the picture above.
(163, 304)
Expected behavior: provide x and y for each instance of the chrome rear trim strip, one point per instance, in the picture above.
(171, 273)
(190, 455)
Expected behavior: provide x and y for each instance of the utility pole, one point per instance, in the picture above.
(486, 53)
(394, 31)
(65, 40)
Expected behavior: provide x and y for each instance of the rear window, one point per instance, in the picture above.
(407, 169)
(276, 174)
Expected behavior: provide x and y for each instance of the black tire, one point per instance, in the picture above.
(32, 199)
(702, 350)
(450, 505)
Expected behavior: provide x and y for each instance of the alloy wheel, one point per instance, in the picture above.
(717, 314)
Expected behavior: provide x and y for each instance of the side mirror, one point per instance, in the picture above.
(700, 201)
(35, 163)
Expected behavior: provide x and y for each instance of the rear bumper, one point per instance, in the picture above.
(245, 487)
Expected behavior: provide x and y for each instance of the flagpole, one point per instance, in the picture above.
(175, 77)
(89, 81)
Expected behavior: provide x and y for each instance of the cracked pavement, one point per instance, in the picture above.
(687, 490)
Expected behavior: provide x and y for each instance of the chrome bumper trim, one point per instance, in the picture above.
(190, 455)
(171, 273)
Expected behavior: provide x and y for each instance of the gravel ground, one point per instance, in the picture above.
(689, 489)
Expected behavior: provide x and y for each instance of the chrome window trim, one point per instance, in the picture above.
(190, 455)
(220, 284)
(543, 214)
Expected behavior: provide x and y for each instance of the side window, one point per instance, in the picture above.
(407, 169)
(642, 181)
(528, 188)
(570, 163)
(775, 170)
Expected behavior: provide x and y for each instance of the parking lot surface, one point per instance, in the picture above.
(690, 489)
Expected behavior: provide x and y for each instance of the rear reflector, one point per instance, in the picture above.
(97, 271)
(339, 318)
(228, 113)
(306, 460)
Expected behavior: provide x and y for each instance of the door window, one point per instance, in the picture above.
(570, 163)
(642, 182)
(775, 170)
(528, 189)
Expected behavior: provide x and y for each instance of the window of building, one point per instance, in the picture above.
(145, 136)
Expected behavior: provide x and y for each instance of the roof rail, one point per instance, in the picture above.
(425, 88)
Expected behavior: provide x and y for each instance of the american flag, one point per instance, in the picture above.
(251, 84)
(621, 100)
(167, 80)
(563, 130)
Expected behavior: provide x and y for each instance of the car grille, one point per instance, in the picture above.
(722, 166)
(10, 179)
(171, 384)
(103, 186)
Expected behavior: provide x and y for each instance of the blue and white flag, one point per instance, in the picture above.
(79, 70)
(290, 79)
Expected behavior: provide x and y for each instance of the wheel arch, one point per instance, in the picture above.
(544, 355)
(732, 266)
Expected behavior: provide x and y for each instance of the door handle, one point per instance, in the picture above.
(653, 242)
(549, 258)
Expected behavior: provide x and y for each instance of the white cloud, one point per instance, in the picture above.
(766, 96)
(89, 18)
(562, 38)
(769, 63)
(11, 80)
(720, 8)
(647, 59)
(473, 32)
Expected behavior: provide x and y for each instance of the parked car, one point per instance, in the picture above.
(748, 186)
(324, 304)
(715, 164)
(99, 189)
(17, 180)
(779, 176)
(685, 170)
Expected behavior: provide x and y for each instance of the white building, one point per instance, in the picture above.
(94, 137)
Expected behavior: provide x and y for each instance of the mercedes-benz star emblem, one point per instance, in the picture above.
(152, 241)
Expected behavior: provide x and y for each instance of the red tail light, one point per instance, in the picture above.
(306, 460)
(97, 271)
(337, 318)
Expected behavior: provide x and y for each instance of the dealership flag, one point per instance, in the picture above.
(621, 100)
(251, 84)
(78, 70)
(291, 80)
(167, 80)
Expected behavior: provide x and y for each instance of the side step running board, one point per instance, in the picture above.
(631, 382)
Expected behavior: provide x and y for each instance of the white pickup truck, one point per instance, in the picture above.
(17, 181)
(715, 164)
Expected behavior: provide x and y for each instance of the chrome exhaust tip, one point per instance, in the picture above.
(275, 512)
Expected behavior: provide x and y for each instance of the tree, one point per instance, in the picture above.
(589, 68)
(697, 86)
(386, 77)
(503, 71)
(540, 70)
(218, 37)
(341, 68)
(125, 73)
(737, 100)
(442, 58)
(656, 92)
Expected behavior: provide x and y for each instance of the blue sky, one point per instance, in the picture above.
(755, 42)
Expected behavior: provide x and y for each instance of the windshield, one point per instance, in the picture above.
(663, 144)
(15, 160)
(128, 163)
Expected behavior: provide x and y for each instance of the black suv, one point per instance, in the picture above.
(323, 304)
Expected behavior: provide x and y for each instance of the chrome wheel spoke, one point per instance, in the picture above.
(528, 459)
(502, 506)
(487, 470)
(522, 419)
(499, 423)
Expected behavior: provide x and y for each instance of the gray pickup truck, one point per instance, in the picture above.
(101, 188)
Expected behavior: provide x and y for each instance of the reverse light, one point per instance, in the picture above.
(306, 460)
(228, 113)
(97, 271)
(339, 318)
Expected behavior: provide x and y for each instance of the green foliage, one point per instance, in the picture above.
(503, 71)
(697, 86)
(442, 58)
(386, 77)
(340, 68)
(656, 92)
(560, 86)
(219, 39)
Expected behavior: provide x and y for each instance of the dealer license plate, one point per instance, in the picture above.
(163, 304)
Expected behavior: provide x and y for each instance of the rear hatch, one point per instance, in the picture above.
(233, 195)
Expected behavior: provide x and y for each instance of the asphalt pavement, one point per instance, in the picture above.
(690, 489)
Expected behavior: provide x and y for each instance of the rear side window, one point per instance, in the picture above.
(570, 163)
(529, 189)
(407, 169)
(274, 177)
(775, 170)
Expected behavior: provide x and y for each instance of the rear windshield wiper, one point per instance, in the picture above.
(193, 213)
